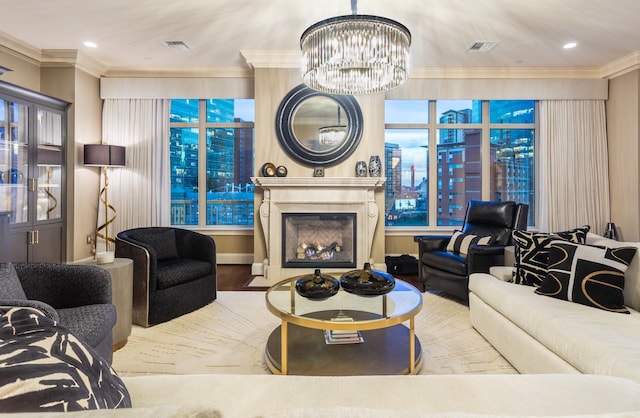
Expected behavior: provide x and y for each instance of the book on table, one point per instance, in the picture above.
(333, 336)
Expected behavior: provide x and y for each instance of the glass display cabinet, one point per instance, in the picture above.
(32, 173)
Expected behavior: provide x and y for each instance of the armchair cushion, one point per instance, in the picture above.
(447, 261)
(182, 270)
(460, 242)
(89, 321)
(589, 275)
(46, 368)
(65, 285)
(532, 252)
(10, 286)
(163, 241)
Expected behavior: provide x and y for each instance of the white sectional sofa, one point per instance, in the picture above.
(540, 334)
(576, 361)
(422, 396)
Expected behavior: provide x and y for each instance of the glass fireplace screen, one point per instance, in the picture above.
(318, 240)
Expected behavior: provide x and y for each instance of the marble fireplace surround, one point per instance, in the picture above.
(315, 195)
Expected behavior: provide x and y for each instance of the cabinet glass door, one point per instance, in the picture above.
(14, 160)
(49, 171)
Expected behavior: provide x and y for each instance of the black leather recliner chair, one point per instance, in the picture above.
(174, 271)
(440, 269)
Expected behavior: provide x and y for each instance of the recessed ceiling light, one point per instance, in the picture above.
(90, 44)
(570, 45)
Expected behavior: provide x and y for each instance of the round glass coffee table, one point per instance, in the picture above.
(345, 334)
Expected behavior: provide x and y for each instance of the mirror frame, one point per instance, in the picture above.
(284, 128)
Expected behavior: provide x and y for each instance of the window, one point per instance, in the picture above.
(406, 149)
(463, 131)
(216, 134)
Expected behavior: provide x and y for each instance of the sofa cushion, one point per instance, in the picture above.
(589, 275)
(181, 270)
(45, 368)
(10, 286)
(460, 242)
(532, 252)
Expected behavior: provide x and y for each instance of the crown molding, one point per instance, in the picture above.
(503, 72)
(54, 58)
(621, 66)
(231, 72)
(272, 59)
(19, 49)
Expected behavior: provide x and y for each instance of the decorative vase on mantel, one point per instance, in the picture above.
(375, 166)
(361, 169)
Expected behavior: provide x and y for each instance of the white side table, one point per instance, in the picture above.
(121, 271)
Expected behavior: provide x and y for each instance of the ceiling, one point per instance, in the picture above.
(131, 34)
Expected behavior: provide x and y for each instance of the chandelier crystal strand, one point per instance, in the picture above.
(355, 54)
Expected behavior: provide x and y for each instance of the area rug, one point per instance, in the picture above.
(229, 336)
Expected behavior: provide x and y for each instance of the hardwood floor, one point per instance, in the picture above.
(237, 276)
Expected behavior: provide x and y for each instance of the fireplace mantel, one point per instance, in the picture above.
(313, 195)
(268, 183)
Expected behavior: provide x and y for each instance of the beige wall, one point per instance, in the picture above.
(84, 127)
(84, 184)
(623, 132)
(271, 86)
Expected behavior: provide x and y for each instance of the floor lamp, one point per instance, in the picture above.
(105, 156)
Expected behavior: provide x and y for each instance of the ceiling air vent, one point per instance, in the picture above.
(482, 46)
(176, 45)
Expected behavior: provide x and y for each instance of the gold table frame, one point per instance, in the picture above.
(387, 319)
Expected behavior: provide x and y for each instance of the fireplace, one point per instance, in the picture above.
(350, 197)
(319, 240)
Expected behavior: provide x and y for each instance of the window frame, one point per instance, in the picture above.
(202, 125)
(485, 127)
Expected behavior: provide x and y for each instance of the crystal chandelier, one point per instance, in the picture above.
(355, 54)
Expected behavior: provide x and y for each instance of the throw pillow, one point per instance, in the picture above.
(45, 368)
(532, 252)
(10, 286)
(586, 274)
(460, 242)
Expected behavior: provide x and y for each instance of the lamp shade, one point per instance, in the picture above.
(104, 155)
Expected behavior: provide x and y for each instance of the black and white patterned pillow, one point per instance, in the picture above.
(586, 274)
(45, 368)
(532, 252)
(460, 242)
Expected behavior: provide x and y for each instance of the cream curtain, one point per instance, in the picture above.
(141, 191)
(573, 163)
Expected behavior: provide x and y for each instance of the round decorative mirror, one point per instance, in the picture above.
(318, 129)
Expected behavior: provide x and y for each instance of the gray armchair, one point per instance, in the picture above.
(439, 269)
(76, 296)
(174, 271)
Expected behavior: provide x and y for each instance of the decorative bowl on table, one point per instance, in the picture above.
(367, 282)
(317, 286)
